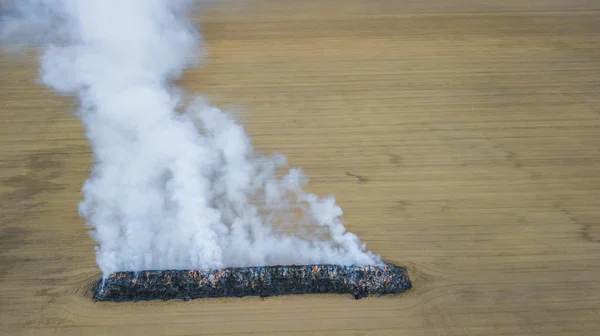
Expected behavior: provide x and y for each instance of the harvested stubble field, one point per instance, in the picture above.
(461, 138)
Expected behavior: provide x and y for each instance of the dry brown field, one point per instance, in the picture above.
(461, 138)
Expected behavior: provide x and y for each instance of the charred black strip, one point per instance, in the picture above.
(360, 281)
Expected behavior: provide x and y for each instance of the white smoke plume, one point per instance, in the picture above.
(170, 190)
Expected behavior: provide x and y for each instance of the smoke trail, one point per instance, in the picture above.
(170, 190)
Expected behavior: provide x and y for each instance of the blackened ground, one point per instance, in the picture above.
(359, 281)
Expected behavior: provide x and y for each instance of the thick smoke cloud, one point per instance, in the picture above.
(170, 190)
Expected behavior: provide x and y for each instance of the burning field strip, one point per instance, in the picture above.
(359, 281)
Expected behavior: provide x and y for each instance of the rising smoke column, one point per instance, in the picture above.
(170, 190)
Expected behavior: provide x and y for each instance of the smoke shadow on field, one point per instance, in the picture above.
(11, 238)
(21, 197)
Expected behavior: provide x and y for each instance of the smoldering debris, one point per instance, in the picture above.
(359, 281)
